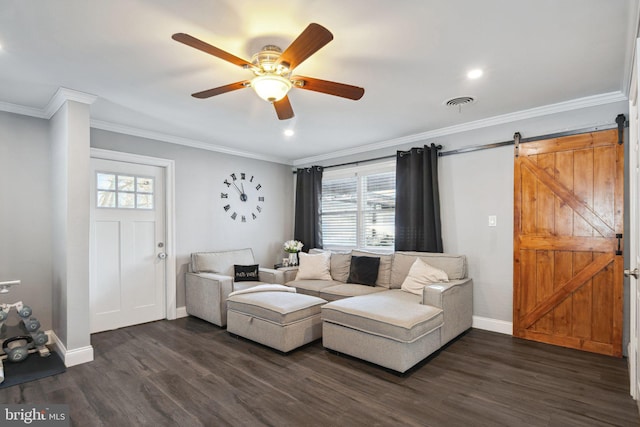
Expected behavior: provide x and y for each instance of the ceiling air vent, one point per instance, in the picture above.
(459, 101)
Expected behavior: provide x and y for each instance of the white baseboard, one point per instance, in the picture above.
(73, 357)
(494, 325)
(181, 312)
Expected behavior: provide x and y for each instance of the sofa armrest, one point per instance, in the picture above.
(206, 296)
(456, 301)
(289, 273)
(269, 275)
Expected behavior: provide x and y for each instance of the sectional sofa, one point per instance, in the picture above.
(380, 323)
(384, 324)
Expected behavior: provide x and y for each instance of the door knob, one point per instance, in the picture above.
(635, 273)
(162, 255)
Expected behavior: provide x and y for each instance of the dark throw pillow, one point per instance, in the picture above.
(364, 270)
(245, 273)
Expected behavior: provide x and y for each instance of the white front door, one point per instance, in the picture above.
(634, 231)
(127, 244)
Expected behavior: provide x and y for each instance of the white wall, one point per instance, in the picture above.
(70, 225)
(201, 222)
(25, 206)
(478, 184)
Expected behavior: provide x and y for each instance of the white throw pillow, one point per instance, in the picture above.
(314, 266)
(420, 275)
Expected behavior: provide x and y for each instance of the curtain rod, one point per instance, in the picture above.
(499, 144)
(357, 162)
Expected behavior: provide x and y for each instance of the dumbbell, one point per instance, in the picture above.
(25, 311)
(32, 324)
(40, 339)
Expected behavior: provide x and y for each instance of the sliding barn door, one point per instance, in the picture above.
(567, 214)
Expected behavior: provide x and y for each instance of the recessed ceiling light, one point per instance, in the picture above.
(474, 74)
(288, 132)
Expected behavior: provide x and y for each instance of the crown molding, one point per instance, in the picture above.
(158, 136)
(60, 97)
(63, 95)
(574, 104)
(22, 110)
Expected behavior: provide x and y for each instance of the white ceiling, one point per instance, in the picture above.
(410, 56)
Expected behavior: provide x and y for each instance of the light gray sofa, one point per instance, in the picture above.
(210, 281)
(384, 324)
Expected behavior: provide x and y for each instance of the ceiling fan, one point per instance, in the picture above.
(272, 69)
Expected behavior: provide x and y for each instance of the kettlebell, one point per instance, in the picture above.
(18, 351)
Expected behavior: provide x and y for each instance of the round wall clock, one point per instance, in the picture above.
(242, 197)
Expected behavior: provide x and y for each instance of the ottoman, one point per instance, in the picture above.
(280, 320)
(391, 328)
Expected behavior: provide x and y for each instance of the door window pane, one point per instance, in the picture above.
(106, 199)
(106, 181)
(124, 191)
(126, 200)
(126, 183)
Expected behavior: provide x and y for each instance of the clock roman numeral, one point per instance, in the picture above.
(224, 195)
(226, 181)
(244, 218)
(261, 199)
(253, 215)
(258, 208)
(242, 175)
(259, 186)
(227, 207)
(251, 180)
(234, 215)
(233, 176)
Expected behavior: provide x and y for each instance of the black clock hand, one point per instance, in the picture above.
(243, 196)
(241, 192)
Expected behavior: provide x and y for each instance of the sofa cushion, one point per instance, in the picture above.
(384, 271)
(314, 266)
(392, 314)
(282, 308)
(346, 290)
(454, 265)
(340, 263)
(245, 273)
(220, 262)
(420, 275)
(312, 287)
(363, 270)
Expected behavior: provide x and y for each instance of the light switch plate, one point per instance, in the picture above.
(493, 221)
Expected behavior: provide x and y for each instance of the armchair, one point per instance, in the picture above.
(210, 281)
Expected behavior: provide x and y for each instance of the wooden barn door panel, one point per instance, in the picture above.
(568, 203)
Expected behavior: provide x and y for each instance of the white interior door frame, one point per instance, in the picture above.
(169, 167)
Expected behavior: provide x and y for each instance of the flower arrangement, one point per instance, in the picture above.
(293, 246)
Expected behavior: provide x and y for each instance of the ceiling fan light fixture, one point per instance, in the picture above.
(271, 87)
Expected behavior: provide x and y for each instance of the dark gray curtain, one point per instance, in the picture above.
(418, 201)
(308, 225)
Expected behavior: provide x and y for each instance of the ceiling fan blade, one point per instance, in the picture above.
(328, 87)
(220, 90)
(283, 108)
(212, 50)
(312, 39)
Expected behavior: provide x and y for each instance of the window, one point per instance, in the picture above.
(358, 207)
(124, 191)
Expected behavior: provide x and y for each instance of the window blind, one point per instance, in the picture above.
(358, 208)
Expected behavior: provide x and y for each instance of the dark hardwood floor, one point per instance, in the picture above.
(190, 373)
